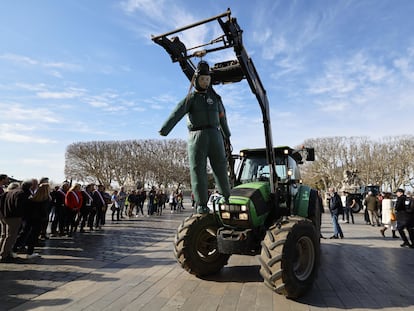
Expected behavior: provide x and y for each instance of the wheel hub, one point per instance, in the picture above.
(305, 259)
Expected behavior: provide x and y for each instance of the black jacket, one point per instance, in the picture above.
(400, 203)
(97, 199)
(335, 204)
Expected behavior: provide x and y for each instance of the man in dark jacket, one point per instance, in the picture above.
(60, 210)
(12, 209)
(99, 205)
(403, 219)
(336, 208)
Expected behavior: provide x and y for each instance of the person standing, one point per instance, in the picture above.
(371, 203)
(172, 202)
(59, 221)
(350, 204)
(140, 197)
(141, 200)
(99, 205)
(122, 195)
(73, 202)
(132, 201)
(86, 209)
(152, 201)
(180, 200)
(12, 210)
(335, 207)
(35, 213)
(388, 216)
(46, 210)
(403, 219)
(160, 202)
(115, 207)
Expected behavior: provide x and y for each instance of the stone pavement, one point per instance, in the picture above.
(129, 265)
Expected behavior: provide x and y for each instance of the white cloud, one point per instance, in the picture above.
(31, 87)
(27, 60)
(17, 112)
(57, 95)
(62, 65)
(18, 133)
(164, 98)
(98, 104)
(332, 106)
(157, 106)
(24, 60)
(148, 7)
(155, 17)
(405, 64)
(343, 77)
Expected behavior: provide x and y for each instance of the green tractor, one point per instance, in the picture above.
(269, 214)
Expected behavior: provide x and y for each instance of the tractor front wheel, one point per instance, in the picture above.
(290, 257)
(195, 245)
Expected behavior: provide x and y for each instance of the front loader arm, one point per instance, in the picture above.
(225, 72)
(234, 36)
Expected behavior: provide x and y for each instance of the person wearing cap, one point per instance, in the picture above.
(207, 124)
(403, 219)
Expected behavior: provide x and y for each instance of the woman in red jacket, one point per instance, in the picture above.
(73, 202)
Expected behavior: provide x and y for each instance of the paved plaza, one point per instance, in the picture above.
(129, 265)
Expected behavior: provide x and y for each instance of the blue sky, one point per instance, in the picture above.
(75, 70)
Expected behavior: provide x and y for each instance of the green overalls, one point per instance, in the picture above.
(206, 123)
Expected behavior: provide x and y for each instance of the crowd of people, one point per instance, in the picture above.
(380, 210)
(31, 211)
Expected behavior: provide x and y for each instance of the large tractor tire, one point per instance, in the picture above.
(290, 257)
(195, 245)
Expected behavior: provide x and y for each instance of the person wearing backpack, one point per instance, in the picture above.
(336, 209)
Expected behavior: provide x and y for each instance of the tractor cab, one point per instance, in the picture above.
(253, 165)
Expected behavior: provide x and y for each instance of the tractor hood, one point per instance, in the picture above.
(255, 197)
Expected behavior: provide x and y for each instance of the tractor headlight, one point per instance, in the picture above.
(225, 215)
(244, 216)
(243, 208)
(224, 207)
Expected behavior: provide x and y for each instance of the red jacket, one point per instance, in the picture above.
(74, 199)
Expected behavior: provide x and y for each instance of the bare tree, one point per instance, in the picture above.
(388, 162)
(152, 162)
(89, 162)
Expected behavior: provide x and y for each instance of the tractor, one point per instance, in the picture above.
(270, 213)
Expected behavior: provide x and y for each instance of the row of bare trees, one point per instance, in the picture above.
(388, 162)
(132, 162)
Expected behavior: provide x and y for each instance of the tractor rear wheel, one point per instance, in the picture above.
(357, 207)
(290, 257)
(195, 245)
